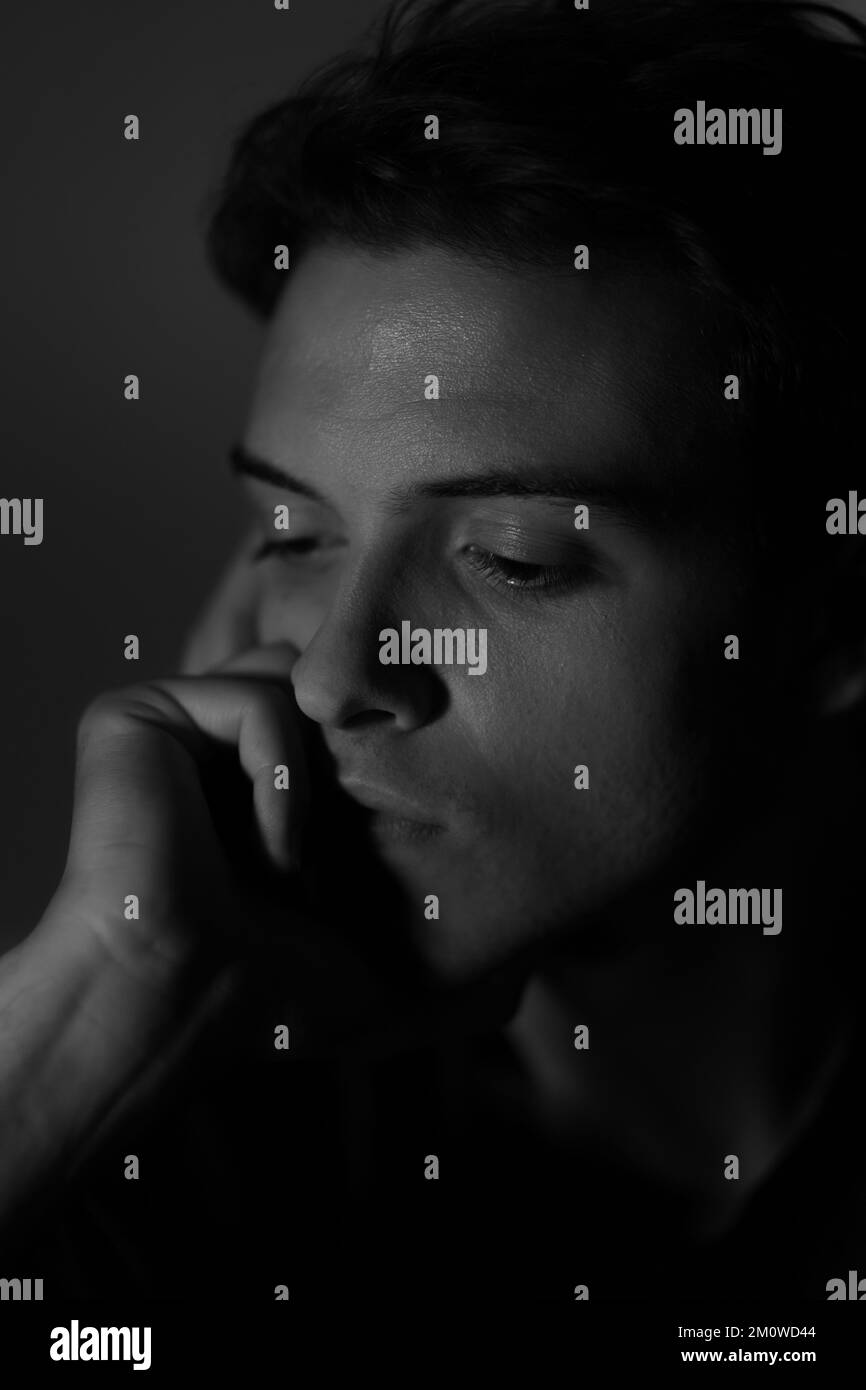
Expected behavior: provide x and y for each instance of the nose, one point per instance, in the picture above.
(339, 681)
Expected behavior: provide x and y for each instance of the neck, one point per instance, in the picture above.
(705, 1042)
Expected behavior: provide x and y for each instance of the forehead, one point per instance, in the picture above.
(579, 363)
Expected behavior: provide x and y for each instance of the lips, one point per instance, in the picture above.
(389, 806)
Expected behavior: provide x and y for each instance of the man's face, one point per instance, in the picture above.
(604, 645)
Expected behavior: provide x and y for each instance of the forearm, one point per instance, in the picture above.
(84, 1037)
(60, 1071)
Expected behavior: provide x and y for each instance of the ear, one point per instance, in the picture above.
(227, 624)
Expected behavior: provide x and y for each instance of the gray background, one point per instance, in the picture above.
(104, 275)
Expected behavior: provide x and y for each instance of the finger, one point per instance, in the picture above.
(141, 750)
(280, 837)
(228, 622)
(250, 706)
(276, 659)
(137, 789)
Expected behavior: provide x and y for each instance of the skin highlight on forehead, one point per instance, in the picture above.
(534, 357)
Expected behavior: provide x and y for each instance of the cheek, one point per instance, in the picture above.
(627, 711)
(647, 717)
(289, 612)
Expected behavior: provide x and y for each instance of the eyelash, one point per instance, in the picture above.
(510, 575)
(304, 545)
(513, 575)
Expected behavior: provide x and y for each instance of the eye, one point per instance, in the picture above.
(291, 549)
(515, 575)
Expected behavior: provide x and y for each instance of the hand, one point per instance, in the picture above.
(176, 806)
(167, 904)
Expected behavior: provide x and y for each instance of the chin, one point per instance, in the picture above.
(461, 950)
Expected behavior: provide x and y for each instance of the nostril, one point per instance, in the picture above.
(367, 718)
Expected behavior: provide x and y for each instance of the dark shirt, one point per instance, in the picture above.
(312, 1175)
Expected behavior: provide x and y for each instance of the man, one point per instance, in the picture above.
(385, 926)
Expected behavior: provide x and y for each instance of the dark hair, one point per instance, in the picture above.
(556, 128)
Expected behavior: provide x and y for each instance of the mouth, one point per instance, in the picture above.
(390, 816)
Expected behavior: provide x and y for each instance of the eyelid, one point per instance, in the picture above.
(298, 545)
(261, 499)
(543, 521)
(524, 544)
(551, 579)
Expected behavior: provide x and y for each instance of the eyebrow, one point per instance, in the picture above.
(637, 508)
(550, 484)
(242, 462)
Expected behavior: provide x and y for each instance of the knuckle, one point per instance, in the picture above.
(102, 711)
(112, 712)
